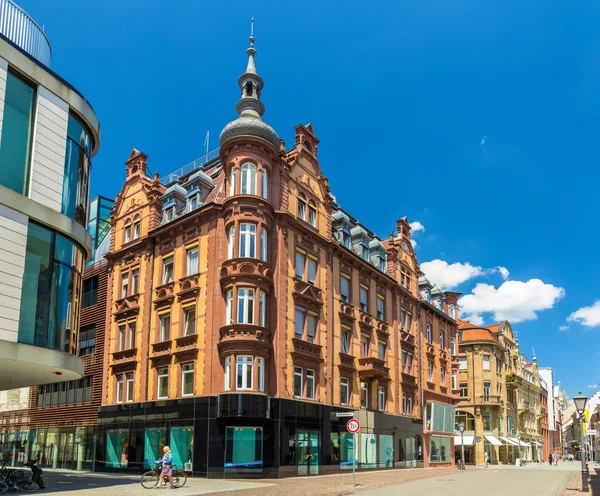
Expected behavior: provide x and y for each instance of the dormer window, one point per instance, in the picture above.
(248, 182)
(168, 214)
(193, 201)
(382, 262)
(301, 206)
(346, 236)
(364, 250)
(428, 295)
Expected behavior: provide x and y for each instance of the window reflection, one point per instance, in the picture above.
(51, 289)
(77, 171)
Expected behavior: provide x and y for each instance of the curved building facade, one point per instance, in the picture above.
(48, 136)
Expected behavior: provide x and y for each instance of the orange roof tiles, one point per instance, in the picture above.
(481, 334)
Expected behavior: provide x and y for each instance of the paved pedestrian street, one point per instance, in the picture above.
(533, 480)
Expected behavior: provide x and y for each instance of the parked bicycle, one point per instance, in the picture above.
(15, 479)
(150, 479)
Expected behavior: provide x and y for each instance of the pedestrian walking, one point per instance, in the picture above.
(486, 459)
(167, 467)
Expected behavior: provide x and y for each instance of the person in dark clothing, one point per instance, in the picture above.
(550, 459)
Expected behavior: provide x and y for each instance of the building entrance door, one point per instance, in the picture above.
(66, 450)
(308, 452)
(411, 452)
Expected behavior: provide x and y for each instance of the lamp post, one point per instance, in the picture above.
(461, 428)
(580, 400)
(519, 439)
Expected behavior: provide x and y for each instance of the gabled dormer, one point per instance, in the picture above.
(425, 288)
(340, 223)
(197, 187)
(360, 242)
(378, 254)
(306, 139)
(173, 203)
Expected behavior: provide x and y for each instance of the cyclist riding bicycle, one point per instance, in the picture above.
(167, 467)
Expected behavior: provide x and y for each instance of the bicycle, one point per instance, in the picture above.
(460, 465)
(15, 479)
(149, 479)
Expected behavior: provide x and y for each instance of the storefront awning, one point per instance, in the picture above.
(537, 444)
(493, 440)
(509, 441)
(523, 443)
(466, 440)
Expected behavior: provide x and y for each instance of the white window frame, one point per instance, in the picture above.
(230, 242)
(486, 363)
(264, 244)
(192, 261)
(442, 376)
(380, 308)
(300, 264)
(302, 206)
(380, 398)
(137, 229)
(168, 274)
(344, 384)
(462, 363)
(345, 343)
(298, 373)
(248, 176)
(297, 311)
(227, 373)
(129, 387)
(429, 371)
(429, 334)
(120, 388)
(125, 285)
(245, 306)
(442, 340)
(135, 281)
(364, 292)
(365, 346)
(229, 307)
(158, 382)
(245, 363)
(260, 363)
(122, 330)
(262, 309)
(131, 334)
(247, 248)
(232, 182)
(312, 214)
(185, 372)
(454, 379)
(164, 330)
(127, 233)
(186, 321)
(264, 183)
(311, 383)
(452, 346)
(312, 270)
(410, 404)
(345, 297)
(364, 387)
(312, 327)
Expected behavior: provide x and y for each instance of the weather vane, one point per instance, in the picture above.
(252, 31)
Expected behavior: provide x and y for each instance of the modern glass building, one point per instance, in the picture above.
(48, 135)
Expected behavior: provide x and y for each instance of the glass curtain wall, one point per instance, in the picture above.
(77, 171)
(181, 442)
(154, 441)
(17, 131)
(117, 448)
(51, 290)
(243, 449)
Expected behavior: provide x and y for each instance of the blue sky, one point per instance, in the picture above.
(478, 119)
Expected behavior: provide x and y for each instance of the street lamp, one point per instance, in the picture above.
(461, 428)
(580, 400)
(520, 459)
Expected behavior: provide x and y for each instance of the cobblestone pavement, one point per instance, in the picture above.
(533, 480)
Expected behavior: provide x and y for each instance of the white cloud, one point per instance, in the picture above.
(503, 272)
(448, 276)
(516, 301)
(416, 226)
(563, 328)
(593, 386)
(587, 316)
(413, 243)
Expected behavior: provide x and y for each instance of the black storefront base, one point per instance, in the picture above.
(252, 436)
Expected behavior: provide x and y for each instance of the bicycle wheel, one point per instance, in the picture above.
(15, 475)
(149, 479)
(179, 478)
(3, 487)
(26, 485)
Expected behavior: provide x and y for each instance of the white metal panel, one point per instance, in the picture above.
(48, 159)
(13, 244)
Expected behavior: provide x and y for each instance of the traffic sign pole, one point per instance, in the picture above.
(353, 426)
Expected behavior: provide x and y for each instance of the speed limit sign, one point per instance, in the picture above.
(353, 426)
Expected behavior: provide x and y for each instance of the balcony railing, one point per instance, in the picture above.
(490, 399)
(182, 171)
(22, 30)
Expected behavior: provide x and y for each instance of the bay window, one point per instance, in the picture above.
(264, 175)
(229, 308)
(230, 242)
(232, 182)
(227, 373)
(263, 245)
(244, 372)
(261, 374)
(245, 306)
(262, 309)
(248, 180)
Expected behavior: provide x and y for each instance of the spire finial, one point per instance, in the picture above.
(252, 31)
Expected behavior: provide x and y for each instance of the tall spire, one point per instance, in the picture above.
(249, 106)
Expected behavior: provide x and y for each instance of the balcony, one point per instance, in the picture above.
(455, 361)
(164, 294)
(162, 347)
(246, 270)
(127, 307)
(124, 357)
(249, 207)
(244, 338)
(186, 345)
(430, 350)
(365, 320)
(24, 32)
(490, 399)
(307, 293)
(382, 328)
(371, 367)
(306, 351)
(347, 313)
(407, 338)
(443, 355)
(347, 362)
(188, 287)
(409, 379)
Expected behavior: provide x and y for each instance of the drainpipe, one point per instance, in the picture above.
(422, 399)
(148, 375)
(474, 405)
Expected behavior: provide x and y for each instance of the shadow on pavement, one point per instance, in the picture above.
(67, 482)
(595, 480)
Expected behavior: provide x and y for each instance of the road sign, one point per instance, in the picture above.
(592, 432)
(353, 426)
(344, 414)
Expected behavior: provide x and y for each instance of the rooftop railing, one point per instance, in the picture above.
(186, 169)
(22, 30)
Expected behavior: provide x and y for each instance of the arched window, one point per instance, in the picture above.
(301, 206)
(264, 183)
(263, 245)
(248, 182)
(230, 242)
(312, 214)
(232, 182)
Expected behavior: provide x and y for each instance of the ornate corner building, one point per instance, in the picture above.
(48, 135)
(248, 309)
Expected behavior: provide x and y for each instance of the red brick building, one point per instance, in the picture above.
(249, 309)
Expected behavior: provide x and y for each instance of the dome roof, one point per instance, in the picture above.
(249, 127)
